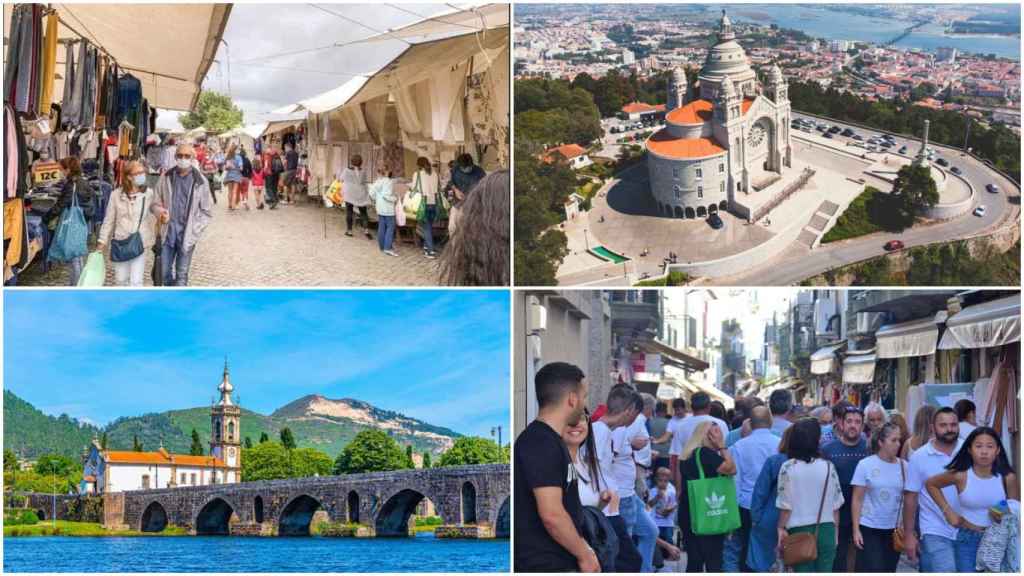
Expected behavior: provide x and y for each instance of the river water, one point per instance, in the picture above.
(833, 25)
(423, 553)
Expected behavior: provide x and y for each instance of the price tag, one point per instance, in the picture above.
(44, 173)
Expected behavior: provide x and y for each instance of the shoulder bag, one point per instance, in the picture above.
(131, 247)
(897, 534)
(803, 547)
(713, 506)
(600, 535)
(70, 238)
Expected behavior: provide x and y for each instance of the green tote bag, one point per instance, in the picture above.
(713, 506)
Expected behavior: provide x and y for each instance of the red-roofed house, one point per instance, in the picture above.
(638, 110)
(572, 154)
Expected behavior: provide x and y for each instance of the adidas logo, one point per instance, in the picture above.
(714, 500)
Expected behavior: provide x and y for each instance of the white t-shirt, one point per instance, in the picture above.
(605, 453)
(664, 520)
(924, 463)
(800, 487)
(685, 428)
(589, 495)
(965, 430)
(638, 429)
(883, 487)
(623, 467)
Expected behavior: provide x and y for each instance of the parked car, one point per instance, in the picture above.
(892, 245)
(829, 135)
(955, 170)
(857, 137)
(903, 150)
(992, 188)
(942, 162)
(835, 130)
(715, 222)
(848, 132)
(980, 210)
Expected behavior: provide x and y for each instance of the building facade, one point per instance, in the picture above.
(124, 470)
(734, 135)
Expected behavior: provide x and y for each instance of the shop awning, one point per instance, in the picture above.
(688, 362)
(168, 47)
(280, 126)
(454, 22)
(328, 100)
(906, 339)
(859, 368)
(823, 360)
(992, 323)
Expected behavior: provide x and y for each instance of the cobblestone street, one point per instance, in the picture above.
(295, 245)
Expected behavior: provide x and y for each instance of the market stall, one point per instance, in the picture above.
(444, 95)
(86, 80)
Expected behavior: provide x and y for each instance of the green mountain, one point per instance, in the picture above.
(30, 433)
(316, 422)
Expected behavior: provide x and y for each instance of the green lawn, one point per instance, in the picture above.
(65, 528)
(674, 278)
(871, 211)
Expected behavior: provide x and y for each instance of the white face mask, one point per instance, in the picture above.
(184, 163)
(139, 180)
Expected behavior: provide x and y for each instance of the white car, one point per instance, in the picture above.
(980, 210)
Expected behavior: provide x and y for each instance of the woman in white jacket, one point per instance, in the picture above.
(353, 186)
(127, 213)
(427, 183)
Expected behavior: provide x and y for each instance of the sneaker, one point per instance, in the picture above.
(430, 255)
(348, 233)
(391, 253)
(260, 207)
(369, 236)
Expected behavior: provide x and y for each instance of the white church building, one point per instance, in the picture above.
(723, 137)
(121, 470)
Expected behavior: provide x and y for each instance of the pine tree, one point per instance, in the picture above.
(197, 444)
(136, 445)
(103, 441)
(248, 442)
(408, 456)
(426, 459)
(264, 437)
(287, 438)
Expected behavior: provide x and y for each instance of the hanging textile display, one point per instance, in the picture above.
(24, 52)
(49, 63)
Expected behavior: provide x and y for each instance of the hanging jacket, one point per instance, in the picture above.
(49, 63)
(16, 167)
(69, 85)
(129, 98)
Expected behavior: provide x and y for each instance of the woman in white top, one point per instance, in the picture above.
(353, 187)
(802, 481)
(427, 183)
(983, 478)
(877, 503)
(128, 212)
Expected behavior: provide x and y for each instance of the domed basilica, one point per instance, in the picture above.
(724, 137)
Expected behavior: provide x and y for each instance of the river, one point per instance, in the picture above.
(423, 553)
(834, 25)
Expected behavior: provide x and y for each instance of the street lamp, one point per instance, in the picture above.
(496, 429)
(586, 237)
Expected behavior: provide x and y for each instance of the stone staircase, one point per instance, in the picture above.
(820, 221)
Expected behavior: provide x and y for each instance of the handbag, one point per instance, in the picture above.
(713, 505)
(802, 548)
(897, 534)
(597, 530)
(69, 240)
(94, 272)
(416, 203)
(131, 247)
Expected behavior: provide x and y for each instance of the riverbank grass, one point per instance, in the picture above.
(66, 528)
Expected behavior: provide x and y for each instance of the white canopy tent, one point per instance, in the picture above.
(168, 47)
(859, 366)
(824, 359)
(907, 339)
(984, 325)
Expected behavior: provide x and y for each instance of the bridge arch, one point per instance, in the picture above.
(393, 517)
(257, 509)
(689, 213)
(154, 518)
(297, 516)
(352, 507)
(41, 514)
(467, 498)
(215, 516)
(501, 522)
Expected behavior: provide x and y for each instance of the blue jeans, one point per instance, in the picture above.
(428, 226)
(75, 265)
(385, 231)
(731, 552)
(937, 554)
(667, 533)
(176, 262)
(966, 549)
(640, 526)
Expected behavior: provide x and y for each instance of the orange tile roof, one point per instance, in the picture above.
(161, 457)
(639, 107)
(568, 151)
(700, 111)
(665, 144)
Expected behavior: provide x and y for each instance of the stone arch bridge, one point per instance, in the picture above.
(473, 501)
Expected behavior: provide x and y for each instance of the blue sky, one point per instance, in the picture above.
(440, 356)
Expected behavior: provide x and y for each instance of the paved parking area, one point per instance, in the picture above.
(297, 245)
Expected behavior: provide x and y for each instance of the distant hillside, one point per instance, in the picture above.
(30, 433)
(315, 421)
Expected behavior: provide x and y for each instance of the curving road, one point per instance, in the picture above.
(798, 263)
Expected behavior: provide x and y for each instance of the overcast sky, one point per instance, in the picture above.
(254, 31)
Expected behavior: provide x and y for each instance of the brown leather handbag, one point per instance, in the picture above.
(897, 534)
(803, 547)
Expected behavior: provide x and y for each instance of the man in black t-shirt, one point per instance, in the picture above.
(547, 502)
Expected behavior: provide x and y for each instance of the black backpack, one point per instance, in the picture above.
(599, 533)
(246, 167)
(276, 166)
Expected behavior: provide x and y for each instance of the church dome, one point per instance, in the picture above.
(728, 89)
(775, 73)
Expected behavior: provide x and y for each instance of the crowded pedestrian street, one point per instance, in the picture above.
(299, 244)
(761, 430)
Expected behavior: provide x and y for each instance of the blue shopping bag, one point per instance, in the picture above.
(69, 241)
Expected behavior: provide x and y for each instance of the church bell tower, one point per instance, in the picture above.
(225, 432)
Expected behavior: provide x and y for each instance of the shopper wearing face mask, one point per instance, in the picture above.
(128, 214)
(184, 205)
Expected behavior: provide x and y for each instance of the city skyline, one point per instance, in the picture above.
(278, 349)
